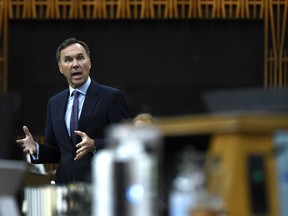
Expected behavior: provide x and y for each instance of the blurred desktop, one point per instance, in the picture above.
(242, 172)
(246, 100)
(239, 133)
(240, 154)
(11, 182)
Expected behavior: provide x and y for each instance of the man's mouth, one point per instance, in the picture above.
(76, 74)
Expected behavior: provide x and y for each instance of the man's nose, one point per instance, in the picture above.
(75, 63)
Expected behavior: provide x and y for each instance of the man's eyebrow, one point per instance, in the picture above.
(77, 55)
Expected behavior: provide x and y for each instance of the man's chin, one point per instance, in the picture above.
(77, 82)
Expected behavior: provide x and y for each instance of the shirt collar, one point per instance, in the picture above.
(82, 89)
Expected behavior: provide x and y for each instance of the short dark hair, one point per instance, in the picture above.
(68, 42)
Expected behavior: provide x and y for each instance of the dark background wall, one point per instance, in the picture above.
(162, 66)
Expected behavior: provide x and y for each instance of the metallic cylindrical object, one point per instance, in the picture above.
(131, 164)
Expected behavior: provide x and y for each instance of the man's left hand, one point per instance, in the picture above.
(87, 145)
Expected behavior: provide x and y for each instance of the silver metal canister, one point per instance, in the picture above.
(130, 185)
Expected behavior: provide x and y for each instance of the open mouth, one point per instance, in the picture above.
(75, 74)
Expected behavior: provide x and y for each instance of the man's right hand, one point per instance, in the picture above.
(27, 144)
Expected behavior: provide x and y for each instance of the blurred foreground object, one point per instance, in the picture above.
(58, 200)
(280, 141)
(128, 183)
(252, 100)
(11, 178)
(240, 155)
(189, 195)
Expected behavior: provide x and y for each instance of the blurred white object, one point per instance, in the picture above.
(125, 176)
(10, 180)
(188, 186)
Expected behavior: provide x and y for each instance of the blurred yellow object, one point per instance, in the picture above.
(240, 157)
(204, 212)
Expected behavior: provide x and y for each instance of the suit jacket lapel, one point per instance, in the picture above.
(91, 99)
(61, 125)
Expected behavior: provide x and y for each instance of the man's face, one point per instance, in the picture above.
(75, 64)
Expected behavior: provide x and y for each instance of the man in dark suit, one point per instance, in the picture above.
(98, 107)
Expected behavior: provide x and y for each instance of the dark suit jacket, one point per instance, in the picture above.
(103, 106)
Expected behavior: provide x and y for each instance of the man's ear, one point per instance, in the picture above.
(90, 65)
(60, 68)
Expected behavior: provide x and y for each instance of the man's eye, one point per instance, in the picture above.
(80, 57)
(67, 60)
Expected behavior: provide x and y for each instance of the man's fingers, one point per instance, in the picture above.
(25, 150)
(26, 131)
(31, 152)
(81, 149)
(80, 133)
(79, 155)
(19, 141)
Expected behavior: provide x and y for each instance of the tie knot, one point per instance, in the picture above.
(75, 93)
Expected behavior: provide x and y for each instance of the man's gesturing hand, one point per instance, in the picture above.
(85, 146)
(27, 144)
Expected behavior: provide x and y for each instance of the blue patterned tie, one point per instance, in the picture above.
(74, 116)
